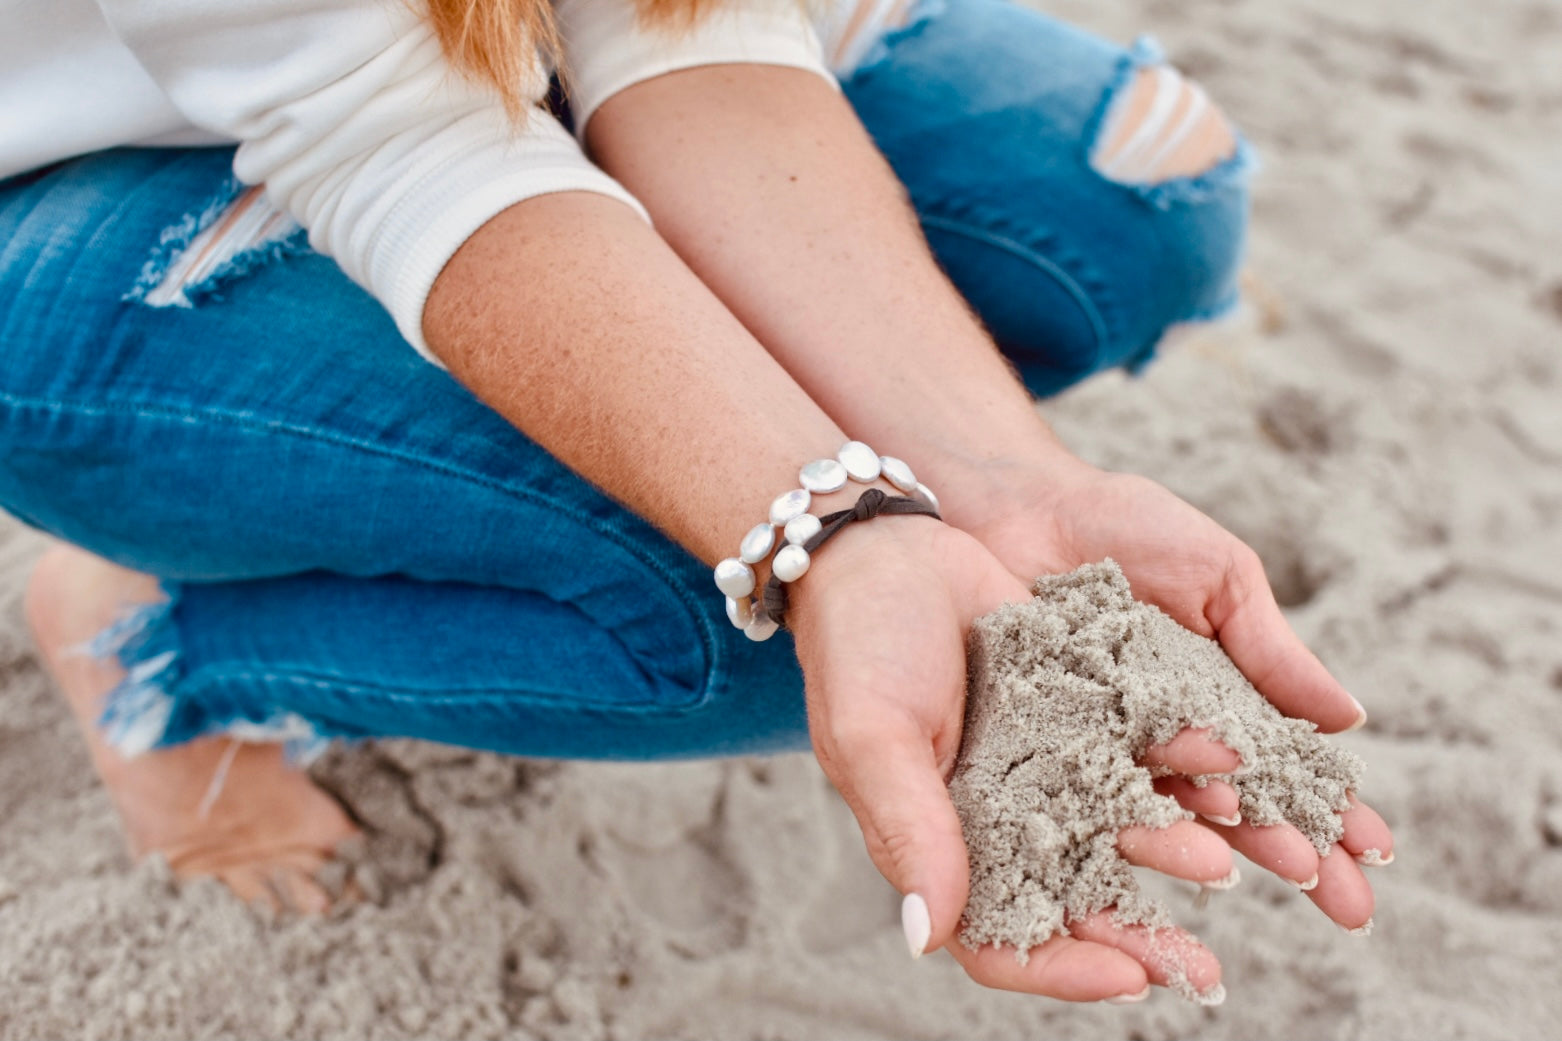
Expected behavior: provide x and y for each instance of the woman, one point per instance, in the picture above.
(286, 520)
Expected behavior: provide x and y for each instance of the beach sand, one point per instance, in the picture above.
(1382, 425)
(1067, 691)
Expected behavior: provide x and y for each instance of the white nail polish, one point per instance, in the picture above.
(1364, 929)
(1307, 886)
(916, 923)
(1216, 995)
(1224, 883)
(1130, 999)
(1361, 717)
(1226, 822)
(1375, 858)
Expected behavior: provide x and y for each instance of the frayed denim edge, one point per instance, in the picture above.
(139, 713)
(1136, 364)
(1163, 195)
(295, 243)
(176, 237)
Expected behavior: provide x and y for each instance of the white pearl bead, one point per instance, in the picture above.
(822, 476)
(800, 529)
(756, 545)
(734, 577)
(925, 493)
(789, 505)
(740, 612)
(861, 462)
(791, 563)
(761, 629)
(898, 473)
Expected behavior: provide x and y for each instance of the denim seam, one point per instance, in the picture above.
(344, 690)
(711, 646)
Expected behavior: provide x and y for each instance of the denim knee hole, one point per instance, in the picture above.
(1157, 134)
(238, 231)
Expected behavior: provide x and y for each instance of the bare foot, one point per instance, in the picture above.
(266, 833)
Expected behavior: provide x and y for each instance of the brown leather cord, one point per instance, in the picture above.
(869, 505)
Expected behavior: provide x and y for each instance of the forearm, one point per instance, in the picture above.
(570, 317)
(769, 188)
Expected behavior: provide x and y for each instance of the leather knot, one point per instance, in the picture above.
(869, 504)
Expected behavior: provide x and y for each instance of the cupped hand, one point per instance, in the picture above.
(1211, 582)
(880, 624)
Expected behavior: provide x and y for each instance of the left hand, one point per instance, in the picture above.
(1209, 581)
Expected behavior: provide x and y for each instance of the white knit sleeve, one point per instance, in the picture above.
(606, 49)
(349, 114)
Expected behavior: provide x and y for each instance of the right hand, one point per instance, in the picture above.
(880, 624)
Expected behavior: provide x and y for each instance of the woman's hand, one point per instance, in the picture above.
(880, 625)
(1211, 582)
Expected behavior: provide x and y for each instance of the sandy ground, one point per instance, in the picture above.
(1385, 429)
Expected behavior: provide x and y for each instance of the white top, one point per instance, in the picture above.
(346, 110)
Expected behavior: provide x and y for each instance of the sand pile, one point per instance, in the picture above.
(1067, 692)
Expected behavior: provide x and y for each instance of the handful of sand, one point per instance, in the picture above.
(1065, 694)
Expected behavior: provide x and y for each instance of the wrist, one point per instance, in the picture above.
(862, 553)
(1011, 477)
(857, 485)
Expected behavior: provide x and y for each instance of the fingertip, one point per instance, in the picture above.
(1279, 848)
(943, 886)
(1367, 836)
(1343, 892)
(1194, 752)
(1183, 850)
(1342, 714)
(1216, 800)
(1171, 956)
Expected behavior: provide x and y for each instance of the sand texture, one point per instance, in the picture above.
(1066, 693)
(1382, 426)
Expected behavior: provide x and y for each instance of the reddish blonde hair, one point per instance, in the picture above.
(494, 41)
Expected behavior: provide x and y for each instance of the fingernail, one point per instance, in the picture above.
(1216, 995)
(1375, 858)
(1364, 929)
(1130, 999)
(1224, 883)
(1361, 716)
(1229, 822)
(916, 923)
(1311, 883)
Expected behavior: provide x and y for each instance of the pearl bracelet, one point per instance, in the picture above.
(789, 512)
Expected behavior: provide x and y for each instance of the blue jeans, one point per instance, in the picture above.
(352, 545)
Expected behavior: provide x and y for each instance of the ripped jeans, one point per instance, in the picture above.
(352, 545)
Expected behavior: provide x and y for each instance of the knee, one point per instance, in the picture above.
(1160, 127)
(1177, 169)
